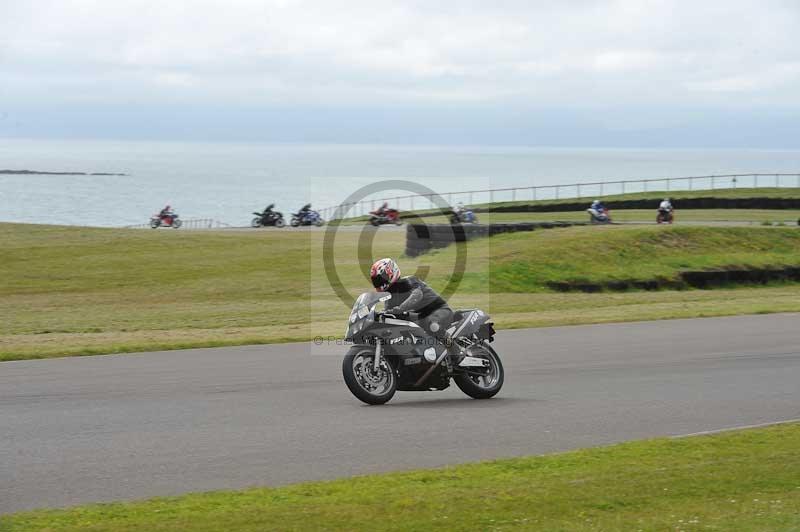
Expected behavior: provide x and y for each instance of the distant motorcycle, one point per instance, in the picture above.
(464, 216)
(308, 217)
(665, 216)
(388, 216)
(599, 217)
(392, 352)
(168, 220)
(268, 218)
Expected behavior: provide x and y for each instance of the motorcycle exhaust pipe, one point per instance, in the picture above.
(430, 369)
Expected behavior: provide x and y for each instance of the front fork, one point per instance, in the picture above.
(377, 360)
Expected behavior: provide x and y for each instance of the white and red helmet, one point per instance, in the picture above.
(384, 273)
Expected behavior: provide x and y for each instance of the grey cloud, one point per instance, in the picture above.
(589, 54)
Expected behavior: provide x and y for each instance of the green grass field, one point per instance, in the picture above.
(77, 291)
(736, 481)
(519, 263)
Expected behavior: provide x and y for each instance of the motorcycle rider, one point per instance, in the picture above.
(266, 216)
(166, 213)
(410, 294)
(381, 211)
(304, 211)
(665, 212)
(597, 209)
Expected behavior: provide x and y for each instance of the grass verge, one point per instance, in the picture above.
(78, 291)
(744, 480)
(517, 263)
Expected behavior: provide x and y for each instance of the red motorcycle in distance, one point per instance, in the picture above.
(167, 220)
(385, 216)
(665, 216)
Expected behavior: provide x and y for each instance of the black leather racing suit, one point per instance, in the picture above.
(410, 294)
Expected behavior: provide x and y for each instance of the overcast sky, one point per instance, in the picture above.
(583, 72)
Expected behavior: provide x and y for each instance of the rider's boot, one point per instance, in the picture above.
(454, 349)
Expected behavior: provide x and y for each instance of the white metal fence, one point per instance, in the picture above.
(573, 191)
(189, 223)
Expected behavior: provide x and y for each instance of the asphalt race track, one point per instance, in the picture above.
(133, 426)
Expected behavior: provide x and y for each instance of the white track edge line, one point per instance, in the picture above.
(740, 427)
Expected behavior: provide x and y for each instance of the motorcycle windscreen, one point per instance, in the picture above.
(362, 307)
(364, 303)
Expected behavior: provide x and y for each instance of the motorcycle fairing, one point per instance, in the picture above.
(470, 323)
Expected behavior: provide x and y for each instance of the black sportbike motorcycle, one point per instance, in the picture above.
(268, 218)
(392, 352)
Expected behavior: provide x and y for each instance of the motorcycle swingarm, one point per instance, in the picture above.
(410, 387)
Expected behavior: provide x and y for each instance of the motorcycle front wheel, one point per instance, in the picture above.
(319, 222)
(374, 221)
(485, 385)
(154, 224)
(256, 222)
(177, 224)
(370, 386)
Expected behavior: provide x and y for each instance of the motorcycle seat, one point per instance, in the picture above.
(458, 318)
(459, 314)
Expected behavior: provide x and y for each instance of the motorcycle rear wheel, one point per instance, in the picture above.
(279, 222)
(362, 380)
(483, 387)
(295, 222)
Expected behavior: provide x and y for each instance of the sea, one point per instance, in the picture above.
(226, 182)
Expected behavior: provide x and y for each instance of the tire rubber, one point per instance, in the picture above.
(355, 388)
(473, 390)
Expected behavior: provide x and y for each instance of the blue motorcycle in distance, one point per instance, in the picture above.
(462, 215)
(306, 217)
